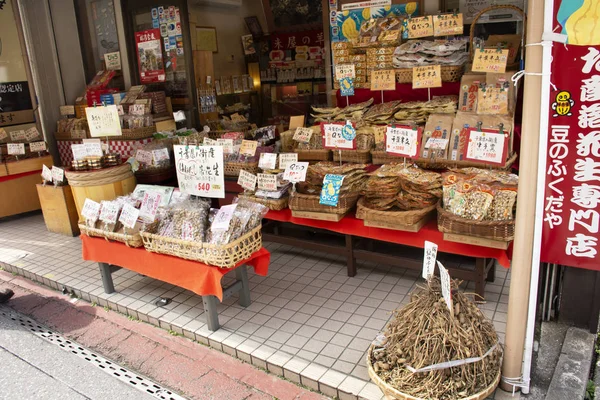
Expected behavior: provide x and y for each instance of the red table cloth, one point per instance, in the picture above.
(350, 225)
(200, 278)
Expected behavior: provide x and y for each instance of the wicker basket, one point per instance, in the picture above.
(397, 217)
(381, 157)
(450, 73)
(138, 133)
(273, 204)
(443, 164)
(310, 202)
(234, 168)
(503, 231)
(352, 156)
(134, 240)
(223, 256)
(361, 210)
(392, 393)
(69, 136)
(99, 177)
(313, 155)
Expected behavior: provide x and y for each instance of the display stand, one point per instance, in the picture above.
(58, 207)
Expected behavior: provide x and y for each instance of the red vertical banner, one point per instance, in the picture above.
(571, 214)
(150, 57)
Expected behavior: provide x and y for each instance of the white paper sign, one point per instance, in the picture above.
(332, 133)
(103, 121)
(486, 147)
(3, 134)
(79, 151)
(149, 206)
(58, 174)
(267, 182)
(227, 145)
(16, 148)
(67, 110)
(446, 287)
(129, 216)
(31, 134)
(143, 156)
(302, 135)
(286, 159)
(247, 180)
(436, 144)
(200, 170)
(429, 259)
(267, 161)
(402, 141)
(37, 146)
(209, 142)
(223, 217)
(112, 61)
(46, 174)
(109, 212)
(16, 136)
(93, 149)
(160, 155)
(179, 116)
(137, 109)
(91, 210)
(296, 172)
(344, 71)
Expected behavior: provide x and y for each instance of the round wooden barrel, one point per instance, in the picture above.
(102, 184)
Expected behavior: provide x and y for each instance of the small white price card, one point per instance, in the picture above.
(91, 210)
(143, 157)
(37, 146)
(487, 146)
(149, 206)
(248, 148)
(296, 172)
(58, 174)
(160, 155)
(448, 24)
(200, 170)
(179, 116)
(113, 61)
(334, 139)
(286, 159)
(429, 76)
(302, 135)
(137, 109)
(67, 110)
(46, 174)
(267, 182)
(436, 144)
(109, 212)
(247, 180)
(490, 60)
(383, 79)
(227, 145)
(429, 259)
(420, 27)
(93, 149)
(103, 121)
(16, 136)
(267, 161)
(223, 217)
(446, 287)
(79, 151)
(344, 71)
(16, 148)
(129, 216)
(402, 141)
(31, 134)
(3, 134)
(209, 142)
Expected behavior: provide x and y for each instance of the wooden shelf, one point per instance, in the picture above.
(28, 165)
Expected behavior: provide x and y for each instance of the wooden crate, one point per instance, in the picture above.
(477, 241)
(399, 227)
(58, 207)
(29, 165)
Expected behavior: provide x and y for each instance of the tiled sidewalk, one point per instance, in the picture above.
(308, 321)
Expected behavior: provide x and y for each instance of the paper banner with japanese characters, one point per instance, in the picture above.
(486, 146)
(200, 170)
(403, 141)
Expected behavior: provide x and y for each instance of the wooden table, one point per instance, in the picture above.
(202, 279)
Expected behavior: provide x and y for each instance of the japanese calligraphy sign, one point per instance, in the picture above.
(344, 71)
(285, 159)
(429, 259)
(448, 24)
(248, 148)
(490, 60)
(91, 210)
(110, 212)
(37, 146)
(129, 215)
(149, 54)
(46, 174)
(486, 146)
(200, 170)
(420, 27)
(296, 172)
(330, 193)
(303, 135)
(427, 77)
(16, 148)
(334, 138)
(247, 180)
(267, 161)
(17, 136)
(383, 79)
(267, 182)
(103, 121)
(492, 100)
(403, 141)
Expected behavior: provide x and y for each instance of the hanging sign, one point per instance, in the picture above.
(16, 148)
(486, 146)
(46, 174)
(149, 55)
(103, 121)
(302, 135)
(402, 141)
(383, 79)
(200, 170)
(129, 216)
(58, 174)
(330, 193)
(247, 180)
(267, 161)
(37, 146)
(446, 287)
(420, 27)
(333, 137)
(296, 172)
(429, 76)
(285, 159)
(248, 148)
(429, 259)
(448, 24)
(267, 182)
(490, 60)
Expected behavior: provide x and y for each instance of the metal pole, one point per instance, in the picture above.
(521, 268)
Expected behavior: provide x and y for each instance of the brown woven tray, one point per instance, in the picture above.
(450, 73)
(353, 156)
(310, 202)
(234, 168)
(313, 155)
(223, 256)
(503, 231)
(361, 210)
(273, 204)
(134, 240)
(411, 217)
(443, 164)
(137, 133)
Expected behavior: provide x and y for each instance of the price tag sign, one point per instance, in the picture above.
(179, 116)
(429, 259)
(333, 137)
(58, 174)
(3, 134)
(37, 146)
(91, 210)
(267, 161)
(492, 100)
(490, 60)
(223, 217)
(436, 144)
(16, 148)
(296, 172)
(31, 134)
(209, 142)
(149, 206)
(427, 77)
(402, 141)
(285, 159)
(110, 212)
(113, 61)
(448, 24)
(303, 135)
(17, 136)
(137, 109)
(267, 182)
(103, 121)
(487, 146)
(93, 149)
(79, 151)
(200, 170)
(227, 145)
(46, 174)
(345, 71)
(420, 27)
(383, 79)
(446, 287)
(346, 87)
(247, 180)
(143, 157)
(248, 148)
(379, 132)
(160, 155)
(330, 193)
(65, 111)
(129, 216)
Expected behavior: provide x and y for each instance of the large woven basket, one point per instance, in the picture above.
(392, 393)
(361, 210)
(69, 136)
(137, 133)
(273, 204)
(234, 168)
(313, 155)
(223, 256)
(99, 177)
(443, 163)
(397, 217)
(352, 156)
(450, 73)
(134, 240)
(310, 202)
(503, 231)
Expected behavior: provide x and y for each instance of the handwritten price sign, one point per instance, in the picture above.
(267, 182)
(296, 172)
(303, 135)
(247, 180)
(333, 137)
(487, 146)
(383, 79)
(420, 27)
(402, 141)
(344, 71)
(427, 77)
(448, 24)
(490, 60)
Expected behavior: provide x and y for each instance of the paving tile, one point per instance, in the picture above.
(324, 360)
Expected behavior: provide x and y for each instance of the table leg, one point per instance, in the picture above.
(491, 275)
(107, 280)
(210, 309)
(241, 274)
(480, 276)
(351, 261)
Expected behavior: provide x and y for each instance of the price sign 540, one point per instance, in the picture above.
(204, 186)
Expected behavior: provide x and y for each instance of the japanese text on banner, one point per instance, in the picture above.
(200, 170)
